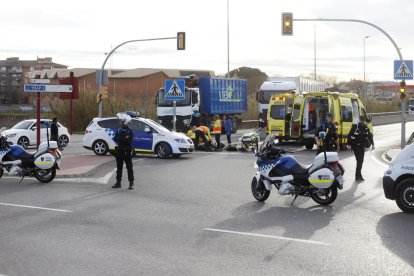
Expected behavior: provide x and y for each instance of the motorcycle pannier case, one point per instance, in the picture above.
(45, 161)
(320, 158)
(322, 178)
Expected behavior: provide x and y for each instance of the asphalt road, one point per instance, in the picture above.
(196, 216)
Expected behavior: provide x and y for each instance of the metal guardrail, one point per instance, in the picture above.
(388, 118)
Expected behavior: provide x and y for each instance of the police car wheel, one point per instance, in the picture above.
(163, 150)
(100, 147)
(405, 195)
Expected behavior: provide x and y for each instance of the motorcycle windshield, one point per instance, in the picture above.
(267, 142)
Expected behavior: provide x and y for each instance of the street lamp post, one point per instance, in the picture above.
(101, 78)
(228, 41)
(364, 88)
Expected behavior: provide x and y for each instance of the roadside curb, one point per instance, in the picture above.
(108, 165)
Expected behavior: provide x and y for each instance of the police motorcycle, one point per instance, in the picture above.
(320, 180)
(41, 164)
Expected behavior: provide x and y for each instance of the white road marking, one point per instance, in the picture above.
(99, 180)
(267, 236)
(35, 207)
(378, 162)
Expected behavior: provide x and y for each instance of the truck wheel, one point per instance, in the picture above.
(405, 195)
(309, 145)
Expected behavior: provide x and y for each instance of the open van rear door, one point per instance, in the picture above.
(347, 118)
(296, 118)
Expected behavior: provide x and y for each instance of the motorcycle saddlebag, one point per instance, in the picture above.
(45, 161)
(322, 178)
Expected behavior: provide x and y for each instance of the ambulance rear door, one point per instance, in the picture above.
(295, 121)
(347, 118)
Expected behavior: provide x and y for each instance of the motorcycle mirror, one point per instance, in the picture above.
(276, 141)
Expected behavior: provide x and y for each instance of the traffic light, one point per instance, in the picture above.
(104, 92)
(181, 41)
(287, 23)
(402, 89)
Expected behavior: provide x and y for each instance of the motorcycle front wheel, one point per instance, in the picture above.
(324, 196)
(45, 176)
(259, 191)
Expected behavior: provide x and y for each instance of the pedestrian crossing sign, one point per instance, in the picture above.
(174, 90)
(403, 69)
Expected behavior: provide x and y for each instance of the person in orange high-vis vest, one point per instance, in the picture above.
(217, 130)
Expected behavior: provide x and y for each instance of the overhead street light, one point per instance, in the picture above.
(180, 46)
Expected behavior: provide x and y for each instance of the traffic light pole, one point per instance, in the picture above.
(100, 105)
(399, 55)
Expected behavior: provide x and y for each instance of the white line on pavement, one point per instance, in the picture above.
(379, 162)
(35, 207)
(266, 236)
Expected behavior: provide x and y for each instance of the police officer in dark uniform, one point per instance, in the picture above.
(54, 130)
(360, 137)
(330, 141)
(124, 136)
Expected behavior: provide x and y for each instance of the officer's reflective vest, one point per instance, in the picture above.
(217, 127)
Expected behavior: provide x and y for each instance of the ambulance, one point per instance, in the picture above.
(284, 116)
(345, 108)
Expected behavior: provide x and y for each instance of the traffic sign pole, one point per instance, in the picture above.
(38, 119)
(174, 115)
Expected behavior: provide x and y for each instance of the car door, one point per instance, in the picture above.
(143, 140)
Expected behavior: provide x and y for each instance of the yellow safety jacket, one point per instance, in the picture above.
(216, 127)
(191, 134)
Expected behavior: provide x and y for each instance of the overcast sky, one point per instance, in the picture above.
(78, 33)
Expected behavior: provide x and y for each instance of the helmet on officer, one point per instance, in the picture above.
(124, 118)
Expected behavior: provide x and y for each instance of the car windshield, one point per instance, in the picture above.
(277, 112)
(267, 95)
(158, 125)
(23, 125)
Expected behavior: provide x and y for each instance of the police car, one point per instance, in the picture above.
(149, 137)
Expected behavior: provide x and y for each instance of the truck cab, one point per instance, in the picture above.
(184, 109)
(265, 94)
(411, 105)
